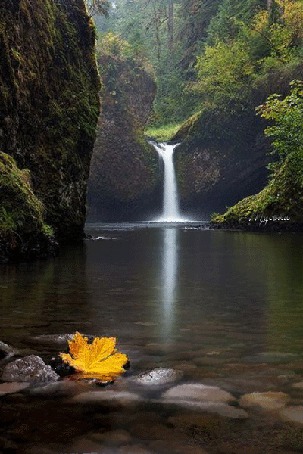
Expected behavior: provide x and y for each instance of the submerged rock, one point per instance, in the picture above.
(10, 388)
(114, 397)
(197, 392)
(222, 409)
(293, 414)
(30, 369)
(159, 376)
(268, 401)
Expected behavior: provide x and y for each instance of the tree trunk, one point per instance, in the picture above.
(170, 26)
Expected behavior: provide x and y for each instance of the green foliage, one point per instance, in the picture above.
(224, 71)
(284, 194)
(287, 115)
(162, 133)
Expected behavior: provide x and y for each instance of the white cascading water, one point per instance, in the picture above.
(170, 206)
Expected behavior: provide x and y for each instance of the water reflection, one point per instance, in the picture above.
(169, 283)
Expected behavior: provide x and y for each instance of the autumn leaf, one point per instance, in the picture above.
(98, 359)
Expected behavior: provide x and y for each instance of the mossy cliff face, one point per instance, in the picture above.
(223, 154)
(124, 177)
(22, 228)
(49, 102)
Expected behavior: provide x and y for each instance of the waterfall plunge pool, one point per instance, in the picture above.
(223, 308)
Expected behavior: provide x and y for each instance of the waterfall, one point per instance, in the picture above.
(170, 203)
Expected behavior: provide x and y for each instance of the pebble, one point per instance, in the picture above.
(197, 392)
(9, 388)
(268, 400)
(29, 369)
(293, 414)
(158, 376)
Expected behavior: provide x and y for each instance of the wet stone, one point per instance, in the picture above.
(30, 369)
(293, 414)
(197, 392)
(267, 401)
(9, 388)
(159, 376)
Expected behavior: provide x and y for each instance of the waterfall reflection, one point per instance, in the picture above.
(169, 285)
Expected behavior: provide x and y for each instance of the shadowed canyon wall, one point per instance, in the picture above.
(125, 174)
(49, 102)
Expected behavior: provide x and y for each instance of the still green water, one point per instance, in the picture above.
(225, 308)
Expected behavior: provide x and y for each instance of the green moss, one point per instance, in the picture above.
(21, 212)
(281, 199)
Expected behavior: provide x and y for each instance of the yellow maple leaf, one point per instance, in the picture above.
(99, 359)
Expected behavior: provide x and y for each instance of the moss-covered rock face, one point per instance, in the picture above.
(49, 102)
(124, 175)
(278, 206)
(224, 154)
(23, 232)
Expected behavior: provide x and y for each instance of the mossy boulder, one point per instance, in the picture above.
(125, 175)
(279, 206)
(49, 101)
(23, 232)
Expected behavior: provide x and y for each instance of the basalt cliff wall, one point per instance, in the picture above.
(49, 107)
(125, 174)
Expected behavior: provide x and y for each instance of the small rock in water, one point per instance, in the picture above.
(198, 392)
(52, 339)
(9, 388)
(30, 369)
(293, 414)
(6, 351)
(268, 401)
(158, 376)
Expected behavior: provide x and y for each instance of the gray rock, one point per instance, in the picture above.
(9, 388)
(298, 385)
(30, 369)
(114, 397)
(159, 376)
(197, 392)
(268, 400)
(293, 414)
